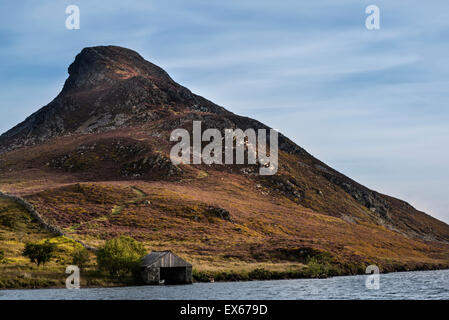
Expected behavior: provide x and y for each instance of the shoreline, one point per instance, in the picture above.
(305, 262)
(127, 285)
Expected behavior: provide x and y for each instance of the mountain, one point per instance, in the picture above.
(95, 162)
(108, 88)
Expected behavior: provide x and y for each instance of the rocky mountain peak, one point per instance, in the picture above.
(108, 87)
(99, 65)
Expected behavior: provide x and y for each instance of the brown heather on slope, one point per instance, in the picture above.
(95, 163)
(17, 227)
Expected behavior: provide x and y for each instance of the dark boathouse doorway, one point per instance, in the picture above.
(164, 267)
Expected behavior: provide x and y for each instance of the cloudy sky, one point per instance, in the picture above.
(372, 104)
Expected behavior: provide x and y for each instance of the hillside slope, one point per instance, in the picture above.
(82, 159)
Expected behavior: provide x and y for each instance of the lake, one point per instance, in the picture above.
(400, 285)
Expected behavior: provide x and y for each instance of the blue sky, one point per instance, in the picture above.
(372, 104)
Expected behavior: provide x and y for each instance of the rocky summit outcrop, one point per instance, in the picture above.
(112, 120)
(108, 87)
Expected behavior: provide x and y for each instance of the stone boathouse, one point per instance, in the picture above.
(164, 267)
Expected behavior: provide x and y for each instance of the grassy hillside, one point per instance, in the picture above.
(17, 228)
(225, 220)
(257, 237)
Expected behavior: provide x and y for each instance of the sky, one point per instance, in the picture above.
(372, 104)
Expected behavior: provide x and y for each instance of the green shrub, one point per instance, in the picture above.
(260, 274)
(39, 253)
(317, 270)
(120, 256)
(80, 258)
(201, 276)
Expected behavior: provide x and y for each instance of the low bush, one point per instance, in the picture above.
(80, 258)
(260, 274)
(39, 253)
(121, 256)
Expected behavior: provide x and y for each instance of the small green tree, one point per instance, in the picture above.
(39, 253)
(80, 258)
(120, 256)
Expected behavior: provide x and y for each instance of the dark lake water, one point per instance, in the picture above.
(401, 285)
